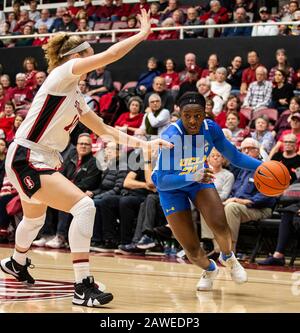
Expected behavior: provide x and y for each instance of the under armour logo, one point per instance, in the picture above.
(29, 182)
(171, 209)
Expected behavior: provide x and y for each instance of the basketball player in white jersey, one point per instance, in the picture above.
(33, 159)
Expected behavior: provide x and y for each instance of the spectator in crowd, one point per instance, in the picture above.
(58, 21)
(45, 19)
(124, 207)
(100, 82)
(84, 89)
(171, 77)
(33, 13)
(30, 70)
(154, 13)
(170, 9)
(105, 11)
(295, 29)
(212, 65)
(178, 17)
(190, 63)
(192, 19)
(232, 123)
(265, 30)
(209, 105)
(21, 95)
(121, 11)
(5, 81)
(294, 120)
(10, 135)
(4, 31)
(204, 88)
(28, 30)
(216, 15)
(90, 9)
(145, 80)
(156, 118)
(7, 193)
(111, 184)
(131, 24)
(220, 87)
(7, 117)
(223, 182)
(282, 63)
(282, 123)
(289, 225)
(3, 150)
(293, 6)
(71, 8)
(282, 91)
(136, 9)
(258, 95)
(234, 75)
(189, 84)
(240, 16)
(167, 34)
(159, 87)
(233, 104)
(2, 17)
(131, 121)
(39, 41)
(12, 19)
(289, 156)
(40, 78)
(80, 168)
(174, 116)
(249, 75)
(262, 134)
(296, 79)
(67, 23)
(84, 27)
(246, 203)
(3, 98)
(23, 20)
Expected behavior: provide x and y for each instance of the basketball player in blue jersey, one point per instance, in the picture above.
(181, 174)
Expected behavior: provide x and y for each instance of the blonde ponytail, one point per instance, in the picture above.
(59, 44)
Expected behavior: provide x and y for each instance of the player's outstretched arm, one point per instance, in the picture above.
(115, 52)
(93, 122)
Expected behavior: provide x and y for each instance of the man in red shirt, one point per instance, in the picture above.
(121, 11)
(105, 12)
(190, 64)
(21, 95)
(249, 75)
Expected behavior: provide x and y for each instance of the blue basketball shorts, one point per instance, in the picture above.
(178, 200)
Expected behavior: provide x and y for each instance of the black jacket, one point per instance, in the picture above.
(111, 182)
(87, 176)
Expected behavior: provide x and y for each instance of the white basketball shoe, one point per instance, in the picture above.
(237, 271)
(207, 279)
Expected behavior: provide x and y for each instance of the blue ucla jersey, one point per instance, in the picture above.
(175, 167)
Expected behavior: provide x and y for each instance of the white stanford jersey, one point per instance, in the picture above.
(55, 110)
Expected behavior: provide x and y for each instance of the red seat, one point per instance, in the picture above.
(119, 25)
(102, 26)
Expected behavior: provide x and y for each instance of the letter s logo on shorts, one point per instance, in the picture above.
(29, 182)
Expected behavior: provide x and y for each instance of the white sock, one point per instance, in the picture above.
(20, 257)
(81, 269)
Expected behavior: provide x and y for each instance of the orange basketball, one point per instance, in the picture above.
(272, 178)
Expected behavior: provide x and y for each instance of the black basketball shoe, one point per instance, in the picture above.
(87, 293)
(10, 266)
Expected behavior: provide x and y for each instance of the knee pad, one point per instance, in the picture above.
(28, 229)
(84, 216)
(33, 224)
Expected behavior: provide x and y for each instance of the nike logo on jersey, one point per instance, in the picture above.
(80, 296)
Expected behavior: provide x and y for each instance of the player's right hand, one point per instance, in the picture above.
(144, 19)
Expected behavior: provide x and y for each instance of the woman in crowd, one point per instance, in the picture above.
(262, 134)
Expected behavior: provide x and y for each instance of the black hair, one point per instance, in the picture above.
(191, 98)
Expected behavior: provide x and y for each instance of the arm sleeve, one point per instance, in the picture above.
(226, 148)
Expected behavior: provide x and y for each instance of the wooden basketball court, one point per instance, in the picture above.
(141, 285)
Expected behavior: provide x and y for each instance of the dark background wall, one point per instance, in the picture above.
(134, 63)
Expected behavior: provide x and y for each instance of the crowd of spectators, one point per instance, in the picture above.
(114, 14)
(257, 108)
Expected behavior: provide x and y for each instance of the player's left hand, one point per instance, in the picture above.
(205, 175)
